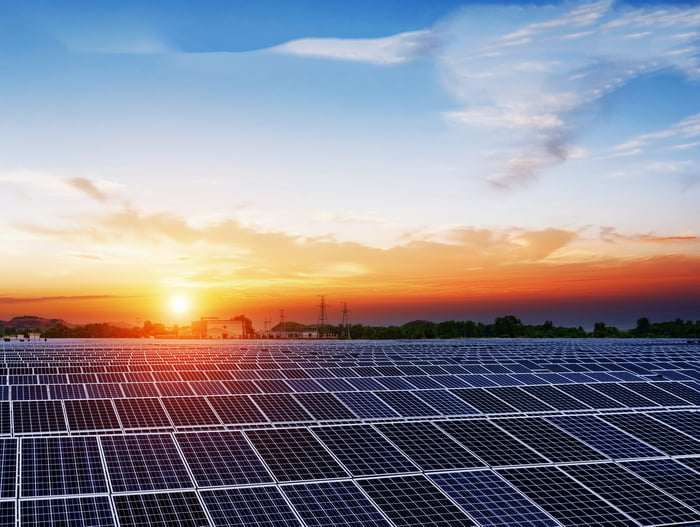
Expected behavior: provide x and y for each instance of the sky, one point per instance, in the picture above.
(418, 160)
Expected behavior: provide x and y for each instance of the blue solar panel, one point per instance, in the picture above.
(490, 500)
(246, 506)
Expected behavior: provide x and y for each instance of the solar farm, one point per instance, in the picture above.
(496, 432)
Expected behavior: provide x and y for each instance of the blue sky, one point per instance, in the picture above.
(382, 124)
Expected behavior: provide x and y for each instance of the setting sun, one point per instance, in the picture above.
(179, 304)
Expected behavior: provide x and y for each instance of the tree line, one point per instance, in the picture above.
(507, 327)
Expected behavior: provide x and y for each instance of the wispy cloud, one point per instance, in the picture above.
(531, 75)
(30, 299)
(31, 181)
(396, 49)
(87, 187)
(685, 129)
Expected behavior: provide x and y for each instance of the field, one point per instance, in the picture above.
(459, 432)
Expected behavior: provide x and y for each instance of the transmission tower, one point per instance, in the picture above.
(345, 323)
(322, 317)
(282, 320)
(267, 325)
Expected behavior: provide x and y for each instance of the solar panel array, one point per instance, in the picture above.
(335, 433)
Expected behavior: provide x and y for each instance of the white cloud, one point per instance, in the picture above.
(396, 49)
(529, 76)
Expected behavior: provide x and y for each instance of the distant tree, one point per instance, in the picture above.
(643, 327)
(248, 330)
(508, 326)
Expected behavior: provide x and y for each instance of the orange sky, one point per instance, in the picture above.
(129, 265)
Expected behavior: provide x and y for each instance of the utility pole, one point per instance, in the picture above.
(322, 317)
(345, 323)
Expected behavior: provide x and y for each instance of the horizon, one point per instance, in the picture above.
(437, 161)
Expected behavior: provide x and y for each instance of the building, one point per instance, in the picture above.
(215, 328)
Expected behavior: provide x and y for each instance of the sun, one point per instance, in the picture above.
(179, 304)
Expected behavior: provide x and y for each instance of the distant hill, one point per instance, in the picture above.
(31, 322)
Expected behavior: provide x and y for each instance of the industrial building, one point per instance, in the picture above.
(215, 328)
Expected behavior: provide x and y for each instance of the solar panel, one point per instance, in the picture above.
(166, 509)
(687, 422)
(520, 399)
(490, 500)
(555, 397)
(141, 413)
(337, 503)
(550, 441)
(222, 458)
(53, 466)
(367, 405)
(144, 462)
(190, 411)
(363, 451)
(428, 446)
(484, 401)
(236, 409)
(94, 511)
(38, 416)
(604, 437)
(563, 498)
(294, 454)
(8, 467)
(281, 408)
(382, 426)
(670, 476)
(490, 443)
(324, 406)
(633, 496)
(445, 403)
(91, 414)
(245, 506)
(412, 501)
(655, 433)
(406, 404)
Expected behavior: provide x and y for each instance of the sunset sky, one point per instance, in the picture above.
(435, 160)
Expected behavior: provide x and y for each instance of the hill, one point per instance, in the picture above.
(26, 322)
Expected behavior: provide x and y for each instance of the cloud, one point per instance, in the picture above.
(22, 300)
(527, 78)
(683, 130)
(87, 187)
(396, 49)
(30, 181)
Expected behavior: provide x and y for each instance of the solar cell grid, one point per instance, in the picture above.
(294, 454)
(281, 408)
(141, 413)
(236, 409)
(413, 500)
(406, 404)
(566, 500)
(363, 451)
(429, 447)
(520, 399)
(670, 476)
(246, 506)
(54, 466)
(635, 497)
(144, 462)
(550, 441)
(445, 403)
(685, 391)
(190, 411)
(324, 406)
(338, 503)
(656, 394)
(555, 397)
(222, 458)
(367, 405)
(655, 433)
(484, 401)
(604, 437)
(92, 414)
(171, 509)
(490, 443)
(94, 511)
(626, 396)
(490, 500)
(38, 416)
